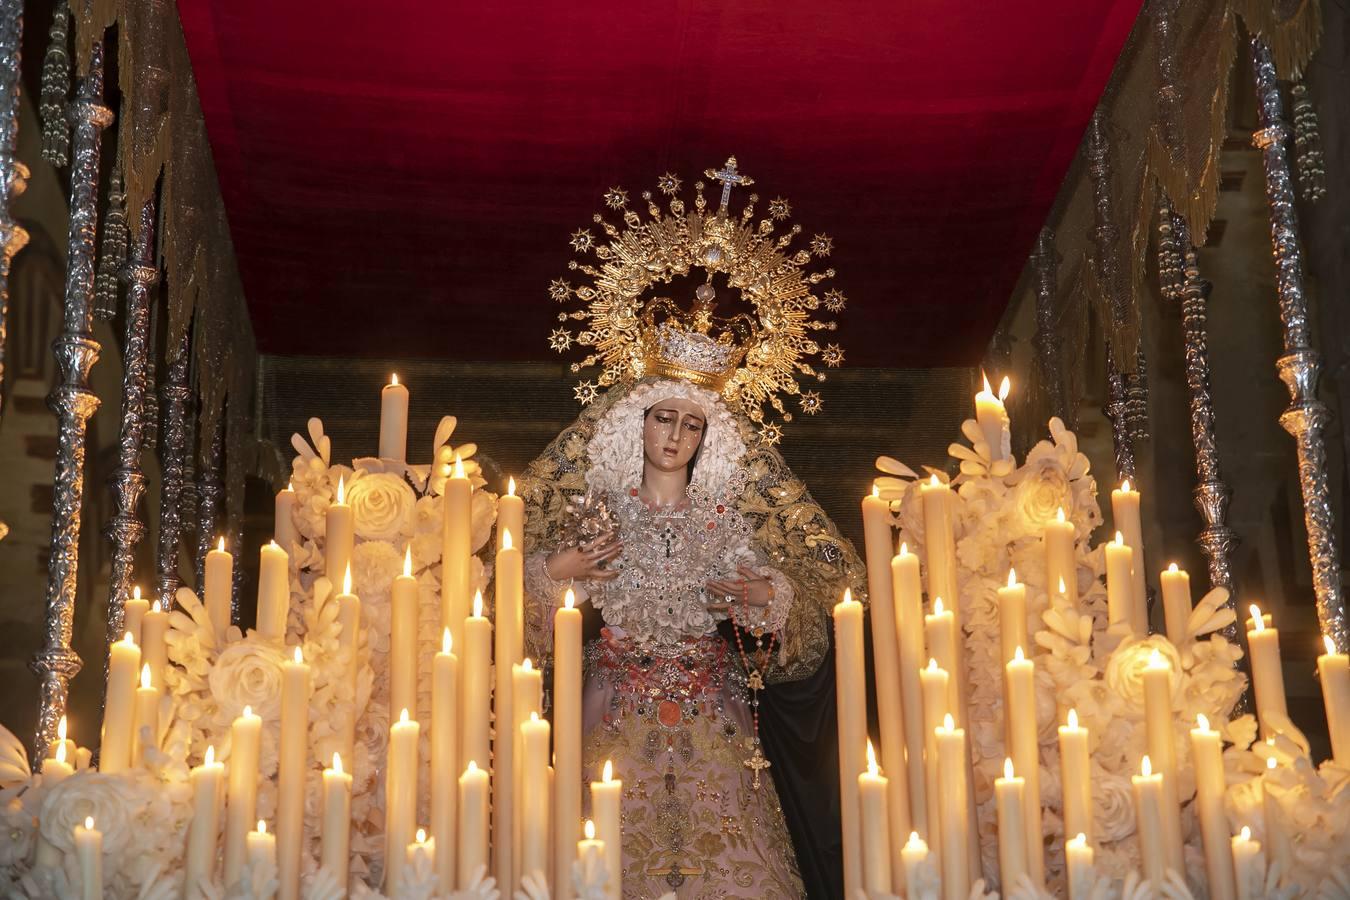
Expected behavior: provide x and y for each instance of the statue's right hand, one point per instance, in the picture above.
(585, 561)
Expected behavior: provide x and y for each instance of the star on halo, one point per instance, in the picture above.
(560, 339)
(821, 245)
(834, 300)
(582, 240)
(770, 433)
(779, 208)
(586, 392)
(559, 289)
(810, 401)
(832, 355)
(669, 184)
(616, 198)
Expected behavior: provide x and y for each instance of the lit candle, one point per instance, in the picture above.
(527, 698)
(510, 642)
(1148, 802)
(340, 537)
(1061, 562)
(1078, 858)
(1277, 837)
(473, 823)
(456, 552)
(534, 850)
(444, 759)
(1263, 642)
(119, 710)
(349, 641)
(477, 692)
(283, 521)
(940, 545)
(1207, 760)
(908, 592)
(606, 803)
(510, 515)
(952, 763)
(394, 420)
(89, 857)
(1176, 595)
(1334, 670)
(242, 790)
(1125, 514)
(400, 798)
(1247, 865)
(403, 640)
(992, 417)
(335, 834)
(292, 761)
(876, 827)
(1010, 798)
(420, 846)
(934, 682)
(1120, 583)
(207, 782)
(154, 650)
(1075, 776)
(913, 857)
(1161, 737)
(133, 613)
(851, 701)
(262, 848)
(146, 733)
(1020, 677)
(591, 854)
(566, 742)
(55, 769)
(274, 592)
(219, 585)
(1012, 616)
(886, 670)
(939, 628)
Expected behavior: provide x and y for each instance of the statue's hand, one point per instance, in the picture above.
(585, 561)
(751, 588)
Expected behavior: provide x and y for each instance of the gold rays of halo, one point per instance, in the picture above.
(749, 261)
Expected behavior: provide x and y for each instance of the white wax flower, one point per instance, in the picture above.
(382, 504)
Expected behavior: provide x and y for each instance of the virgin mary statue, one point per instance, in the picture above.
(707, 569)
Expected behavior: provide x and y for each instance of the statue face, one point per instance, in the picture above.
(672, 433)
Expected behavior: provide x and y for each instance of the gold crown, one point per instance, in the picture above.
(751, 358)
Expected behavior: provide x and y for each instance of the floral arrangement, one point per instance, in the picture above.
(1000, 509)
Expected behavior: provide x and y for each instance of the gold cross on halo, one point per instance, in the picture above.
(729, 178)
(756, 763)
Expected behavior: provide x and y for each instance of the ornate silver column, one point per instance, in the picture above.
(76, 352)
(1299, 367)
(13, 174)
(210, 490)
(128, 482)
(1046, 261)
(1116, 411)
(173, 452)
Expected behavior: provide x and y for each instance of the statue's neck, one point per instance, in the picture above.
(663, 488)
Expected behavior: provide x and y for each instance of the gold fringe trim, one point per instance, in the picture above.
(1293, 39)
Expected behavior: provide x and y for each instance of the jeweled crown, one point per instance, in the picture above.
(751, 358)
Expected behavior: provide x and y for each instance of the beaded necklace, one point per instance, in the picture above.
(757, 762)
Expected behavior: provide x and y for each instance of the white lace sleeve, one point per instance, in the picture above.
(776, 613)
(539, 585)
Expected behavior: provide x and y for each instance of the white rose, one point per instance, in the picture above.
(375, 564)
(382, 504)
(1112, 806)
(114, 802)
(1125, 669)
(16, 832)
(248, 673)
(1042, 490)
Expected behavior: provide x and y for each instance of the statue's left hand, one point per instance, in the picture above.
(753, 588)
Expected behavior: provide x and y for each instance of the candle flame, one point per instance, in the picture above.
(248, 711)
(871, 759)
(937, 606)
(471, 767)
(407, 562)
(60, 755)
(1172, 567)
(1073, 717)
(848, 595)
(1125, 485)
(403, 716)
(299, 657)
(1004, 387)
(459, 467)
(569, 599)
(607, 775)
(290, 486)
(135, 592)
(987, 389)
(262, 827)
(421, 835)
(1062, 586)
(273, 543)
(61, 729)
(446, 640)
(1156, 661)
(876, 491)
(506, 539)
(157, 606)
(1078, 840)
(393, 380)
(1012, 577)
(1145, 766)
(1018, 655)
(527, 665)
(933, 480)
(220, 545)
(1008, 767)
(128, 639)
(1258, 623)
(932, 664)
(914, 842)
(590, 830)
(145, 675)
(511, 486)
(534, 716)
(1059, 514)
(1201, 722)
(948, 723)
(1271, 763)
(1329, 644)
(1120, 539)
(347, 580)
(478, 604)
(904, 548)
(1246, 833)
(341, 491)
(210, 754)
(88, 823)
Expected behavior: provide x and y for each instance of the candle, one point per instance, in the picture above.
(119, 710)
(606, 803)
(510, 643)
(1263, 642)
(477, 691)
(1207, 760)
(283, 521)
(133, 614)
(55, 769)
(1277, 837)
(400, 798)
(242, 791)
(154, 650)
(1010, 798)
(1161, 737)
(444, 759)
(403, 640)
(591, 855)
(1078, 857)
(1012, 616)
(1247, 865)
(527, 698)
(146, 733)
(952, 763)
(1148, 802)
(420, 846)
(1120, 583)
(913, 857)
(906, 586)
(394, 420)
(200, 863)
(219, 586)
(1176, 595)
(473, 823)
(566, 742)
(341, 533)
(510, 515)
(940, 545)
(1020, 677)
(292, 761)
(851, 709)
(534, 849)
(934, 682)
(992, 417)
(274, 592)
(1061, 562)
(1075, 778)
(262, 848)
(89, 857)
(1125, 514)
(456, 571)
(939, 629)
(876, 827)
(335, 833)
(349, 641)
(1334, 670)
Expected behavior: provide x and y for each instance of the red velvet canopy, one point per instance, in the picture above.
(401, 178)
